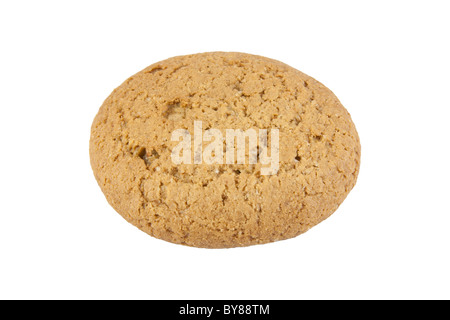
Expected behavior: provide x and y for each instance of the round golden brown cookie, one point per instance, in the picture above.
(224, 149)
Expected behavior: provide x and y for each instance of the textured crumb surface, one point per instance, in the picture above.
(223, 205)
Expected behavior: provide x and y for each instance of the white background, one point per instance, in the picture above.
(387, 61)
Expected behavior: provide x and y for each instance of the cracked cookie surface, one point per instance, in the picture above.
(223, 205)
